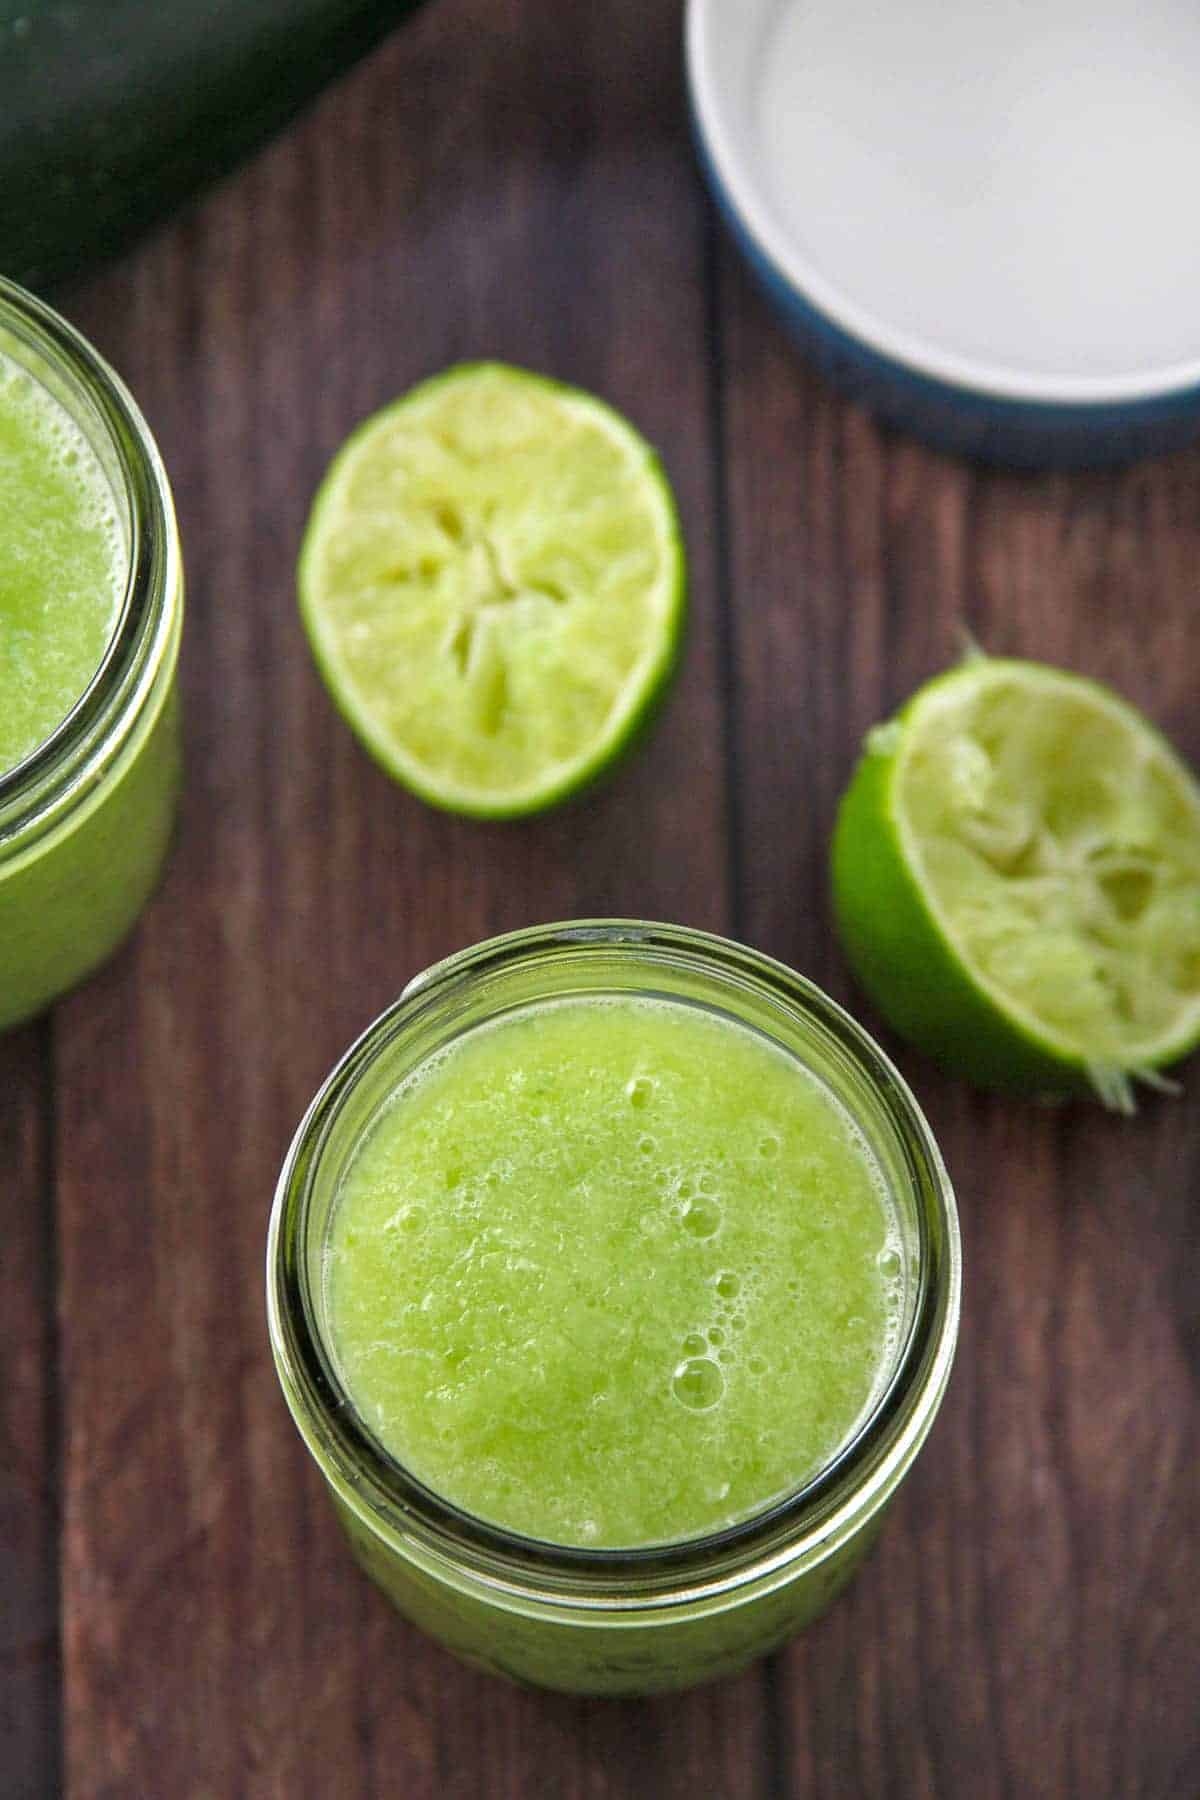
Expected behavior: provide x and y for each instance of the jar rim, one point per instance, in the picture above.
(61, 769)
(862, 1471)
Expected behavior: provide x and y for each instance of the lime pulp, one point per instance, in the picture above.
(1017, 880)
(492, 581)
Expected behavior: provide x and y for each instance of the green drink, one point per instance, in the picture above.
(613, 1282)
(614, 1272)
(63, 563)
(90, 605)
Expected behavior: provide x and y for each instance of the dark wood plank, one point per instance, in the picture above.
(29, 1641)
(1028, 1626)
(543, 210)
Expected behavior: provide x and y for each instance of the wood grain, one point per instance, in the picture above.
(1025, 1618)
(29, 1648)
(373, 246)
(518, 183)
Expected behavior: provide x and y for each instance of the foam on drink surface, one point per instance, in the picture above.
(64, 563)
(613, 1272)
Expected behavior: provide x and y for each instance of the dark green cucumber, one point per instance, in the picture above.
(112, 112)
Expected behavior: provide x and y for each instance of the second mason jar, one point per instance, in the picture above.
(613, 1283)
(89, 638)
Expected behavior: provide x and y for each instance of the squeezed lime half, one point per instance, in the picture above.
(1016, 875)
(492, 580)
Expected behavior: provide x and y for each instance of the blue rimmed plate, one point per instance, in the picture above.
(982, 219)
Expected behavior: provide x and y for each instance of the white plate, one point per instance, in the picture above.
(1004, 197)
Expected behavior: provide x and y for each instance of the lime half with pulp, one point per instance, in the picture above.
(492, 581)
(1016, 872)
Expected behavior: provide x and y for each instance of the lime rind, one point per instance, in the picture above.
(981, 878)
(493, 583)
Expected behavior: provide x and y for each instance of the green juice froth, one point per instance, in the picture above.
(63, 564)
(613, 1272)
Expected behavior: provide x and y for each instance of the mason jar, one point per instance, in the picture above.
(612, 1621)
(86, 816)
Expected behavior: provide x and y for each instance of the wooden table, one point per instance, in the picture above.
(179, 1615)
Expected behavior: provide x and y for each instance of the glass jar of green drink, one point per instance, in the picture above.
(613, 1283)
(90, 611)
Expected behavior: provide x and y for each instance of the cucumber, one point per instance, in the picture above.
(112, 112)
